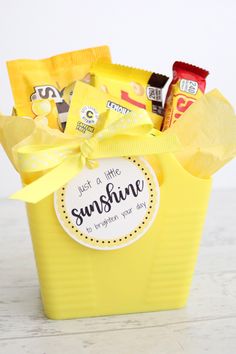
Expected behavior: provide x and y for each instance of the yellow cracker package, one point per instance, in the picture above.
(45, 79)
(142, 89)
(87, 107)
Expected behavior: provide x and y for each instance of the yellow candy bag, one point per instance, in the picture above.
(46, 79)
(141, 88)
(87, 107)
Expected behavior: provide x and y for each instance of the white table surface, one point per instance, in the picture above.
(206, 325)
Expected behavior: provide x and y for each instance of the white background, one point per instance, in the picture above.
(146, 34)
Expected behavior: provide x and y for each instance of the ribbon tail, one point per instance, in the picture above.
(138, 146)
(50, 182)
(72, 165)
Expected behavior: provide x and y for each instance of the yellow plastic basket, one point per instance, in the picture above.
(154, 273)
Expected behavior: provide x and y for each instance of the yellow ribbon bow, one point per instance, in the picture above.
(128, 136)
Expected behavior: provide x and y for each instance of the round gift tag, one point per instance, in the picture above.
(110, 206)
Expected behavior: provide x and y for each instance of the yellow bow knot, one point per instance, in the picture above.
(128, 136)
(86, 150)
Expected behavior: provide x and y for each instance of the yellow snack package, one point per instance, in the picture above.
(46, 79)
(86, 109)
(141, 88)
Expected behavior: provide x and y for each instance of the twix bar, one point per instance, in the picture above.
(187, 86)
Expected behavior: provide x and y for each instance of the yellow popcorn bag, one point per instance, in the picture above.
(46, 79)
(140, 88)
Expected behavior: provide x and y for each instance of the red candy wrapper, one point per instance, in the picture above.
(187, 86)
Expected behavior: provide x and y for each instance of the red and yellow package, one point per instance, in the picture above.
(46, 79)
(187, 86)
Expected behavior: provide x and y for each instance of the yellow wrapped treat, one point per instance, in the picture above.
(141, 88)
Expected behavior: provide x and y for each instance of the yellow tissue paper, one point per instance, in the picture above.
(12, 131)
(16, 132)
(207, 132)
